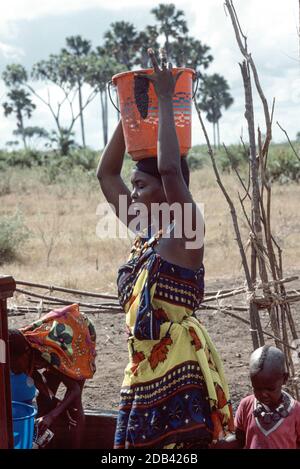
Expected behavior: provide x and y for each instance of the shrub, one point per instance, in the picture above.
(283, 165)
(86, 158)
(234, 158)
(5, 183)
(13, 235)
(198, 157)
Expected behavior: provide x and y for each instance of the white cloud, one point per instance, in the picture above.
(11, 52)
(28, 9)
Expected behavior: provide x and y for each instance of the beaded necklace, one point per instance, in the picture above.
(140, 246)
(268, 416)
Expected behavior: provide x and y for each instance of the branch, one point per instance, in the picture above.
(47, 103)
(247, 152)
(237, 28)
(89, 99)
(245, 321)
(237, 173)
(229, 201)
(244, 50)
(66, 290)
(286, 134)
(67, 301)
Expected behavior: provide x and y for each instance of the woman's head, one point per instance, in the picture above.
(149, 166)
(147, 187)
(19, 352)
(268, 374)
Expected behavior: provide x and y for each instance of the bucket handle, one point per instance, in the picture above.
(109, 94)
(197, 79)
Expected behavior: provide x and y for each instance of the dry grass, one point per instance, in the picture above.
(80, 259)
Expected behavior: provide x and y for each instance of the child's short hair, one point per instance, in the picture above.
(18, 345)
(267, 356)
(260, 363)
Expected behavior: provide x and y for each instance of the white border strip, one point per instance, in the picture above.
(2, 351)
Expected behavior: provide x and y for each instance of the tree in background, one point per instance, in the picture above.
(19, 100)
(145, 39)
(121, 42)
(99, 72)
(189, 52)
(77, 67)
(64, 140)
(213, 95)
(59, 70)
(78, 51)
(172, 24)
(33, 134)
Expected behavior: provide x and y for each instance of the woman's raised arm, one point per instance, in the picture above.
(109, 173)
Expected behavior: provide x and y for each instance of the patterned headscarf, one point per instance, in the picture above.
(66, 339)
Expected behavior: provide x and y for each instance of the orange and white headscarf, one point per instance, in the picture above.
(66, 339)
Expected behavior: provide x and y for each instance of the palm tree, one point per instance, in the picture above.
(172, 23)
(145, 39)
(214, 95)
(100, 69)
(64, 140)
(121, 43)
(78, 50)
(190, 52)
(19, 101)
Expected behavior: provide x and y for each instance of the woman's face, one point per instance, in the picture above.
(147, 190)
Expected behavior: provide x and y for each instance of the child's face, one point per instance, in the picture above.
(20, 364)
(267, 389)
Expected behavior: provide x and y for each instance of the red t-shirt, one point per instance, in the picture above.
(284, 434)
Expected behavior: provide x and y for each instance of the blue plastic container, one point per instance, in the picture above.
(23, 424)
(22, 388)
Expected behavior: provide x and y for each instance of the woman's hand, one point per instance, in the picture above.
(163, 79)
(44, 423)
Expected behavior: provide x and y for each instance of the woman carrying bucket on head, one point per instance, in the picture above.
(58, 348)
(174, 393)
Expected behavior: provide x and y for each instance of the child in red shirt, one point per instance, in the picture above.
(269, 418)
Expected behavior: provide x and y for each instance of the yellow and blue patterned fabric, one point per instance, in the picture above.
(174, 393)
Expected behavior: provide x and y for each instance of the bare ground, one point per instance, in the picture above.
(231, 337)
(66, 214)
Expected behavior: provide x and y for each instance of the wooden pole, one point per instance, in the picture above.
(7, 288)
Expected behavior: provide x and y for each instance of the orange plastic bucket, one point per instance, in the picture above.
(139, 111)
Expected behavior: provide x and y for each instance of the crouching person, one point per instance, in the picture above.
(57, 349)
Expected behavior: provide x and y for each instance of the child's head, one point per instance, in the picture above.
(19, 351)
(268, 374)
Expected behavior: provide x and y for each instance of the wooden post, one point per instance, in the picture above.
(7, 288)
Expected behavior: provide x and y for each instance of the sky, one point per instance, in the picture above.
(30, 30)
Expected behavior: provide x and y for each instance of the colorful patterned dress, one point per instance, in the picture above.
(174, 393)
